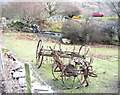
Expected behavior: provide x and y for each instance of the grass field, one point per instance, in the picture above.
(105, 64)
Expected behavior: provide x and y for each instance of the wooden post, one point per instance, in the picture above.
(28, 81)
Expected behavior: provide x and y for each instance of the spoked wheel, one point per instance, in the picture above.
(69, 81)
(56, 72)
(39, 51)
(70, 77)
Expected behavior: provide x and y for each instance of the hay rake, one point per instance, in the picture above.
(75, 71)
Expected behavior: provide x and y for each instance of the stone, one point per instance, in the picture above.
(37, 88)
(22, 82)
(33, 79)
(18, 74)
(18, 66)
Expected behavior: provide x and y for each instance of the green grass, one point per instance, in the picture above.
(107, 70)
(104, 51)
(23, 49)
(104, 83)
(54, 27)
(106, 18)
(100, 18)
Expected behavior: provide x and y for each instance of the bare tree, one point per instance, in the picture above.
(70, 9)
(114, 7)
(27, 11)
(52, 8)
(2, 9)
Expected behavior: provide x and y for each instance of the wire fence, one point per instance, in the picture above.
(30, 67)
(11, 85)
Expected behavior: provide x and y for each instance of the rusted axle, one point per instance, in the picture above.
(66, 54)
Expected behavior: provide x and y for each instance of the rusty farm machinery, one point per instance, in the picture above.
(74, 70)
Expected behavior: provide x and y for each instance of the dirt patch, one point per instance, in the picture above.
(31, 38)
(25, 37)
(105, 46)
(106, 57)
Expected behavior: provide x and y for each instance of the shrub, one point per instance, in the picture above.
(82, 33)
(16, 25)
(19, 26)
(91, 31)
(110, 32)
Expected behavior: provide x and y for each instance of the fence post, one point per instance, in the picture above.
(28, 81)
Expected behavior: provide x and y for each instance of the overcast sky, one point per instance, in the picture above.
(59, 0)
(3, 1)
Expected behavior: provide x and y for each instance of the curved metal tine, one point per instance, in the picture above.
(91, 59)
(90, 63)
(85, 77)
(80, 49)
(53, 70)
(38, 47)
(85, 80)
(87, 51)
(51, 48)
(41, 62)
(62, 74)
(84, 50)
(41, 58)
(87, 62)
(37, 60)
(38, 57)
(92, 74)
